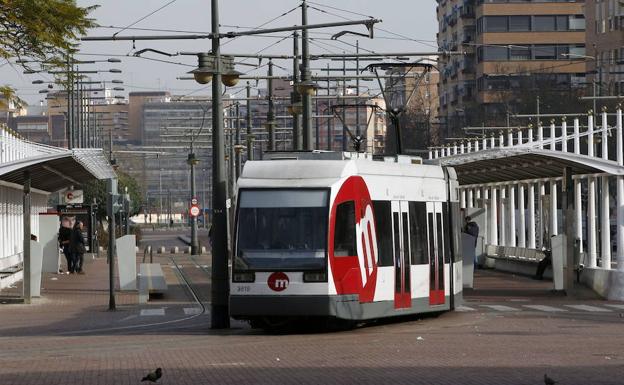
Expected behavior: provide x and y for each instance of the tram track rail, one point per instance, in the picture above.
(159, 326)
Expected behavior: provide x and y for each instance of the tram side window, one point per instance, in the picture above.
(383, 226)
(448, 232)
(418, 225)
(456, 226)
(344, 235)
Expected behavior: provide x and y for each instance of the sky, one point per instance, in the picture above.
(408, 25)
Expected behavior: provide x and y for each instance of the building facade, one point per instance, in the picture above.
(605, 46)
(515, 52)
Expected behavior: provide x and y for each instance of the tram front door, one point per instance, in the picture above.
(435, 236)
(401, 237)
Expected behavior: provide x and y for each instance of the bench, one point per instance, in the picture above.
(514, 253)
(11, 270)
(518, 260)
(151, 281)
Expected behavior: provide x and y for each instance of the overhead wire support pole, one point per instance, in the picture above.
(219, 310)
(250, 154)
(270, 111)
(294, 96)
(230, 35)
(306, 77)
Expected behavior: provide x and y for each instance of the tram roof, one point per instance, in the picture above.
(514, 164)
(52, 169)
(321, 173)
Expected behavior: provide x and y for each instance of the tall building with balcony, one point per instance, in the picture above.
(605, 46)
(520, 50)
(457, 82)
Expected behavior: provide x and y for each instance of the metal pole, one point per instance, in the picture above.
(270, 111)
(329, 120)
(531, 208)
(294, 96)
(112, 191)
(522, 217)
(219, 312)
(194, 240)
(591, 213)
(357, 89)
(250, 154)
(237, 151)
(620, 195)
(27, 259)
(306, 77)
(344, 110)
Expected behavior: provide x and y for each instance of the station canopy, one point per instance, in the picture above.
(516, 164)
(52, 169)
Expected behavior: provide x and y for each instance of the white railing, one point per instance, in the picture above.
(14, 148)
(593, 215)
(560, 137)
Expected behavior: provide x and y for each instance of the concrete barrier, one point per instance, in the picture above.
(608, 284)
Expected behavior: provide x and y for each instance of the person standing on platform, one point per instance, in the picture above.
(77, 247)
(472, 228)
(64, 238)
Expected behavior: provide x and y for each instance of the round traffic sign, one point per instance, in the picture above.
(194, 201)
(194, 211)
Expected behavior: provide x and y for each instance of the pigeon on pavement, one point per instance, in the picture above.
(153, 376)
(548, 380)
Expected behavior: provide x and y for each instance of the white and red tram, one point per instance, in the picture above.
(353, 239)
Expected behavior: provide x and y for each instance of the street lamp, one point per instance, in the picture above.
(207, 67)
(307, 87)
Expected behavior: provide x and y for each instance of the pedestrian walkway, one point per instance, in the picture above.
(73, 302)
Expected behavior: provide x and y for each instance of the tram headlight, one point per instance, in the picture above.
(244, 277)
(314, 277)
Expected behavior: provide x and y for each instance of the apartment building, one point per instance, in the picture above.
(605, 46)
(520, 48)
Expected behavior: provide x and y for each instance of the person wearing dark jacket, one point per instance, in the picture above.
(77, 247)
(64, 237)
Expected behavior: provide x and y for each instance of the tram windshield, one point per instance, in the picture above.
(282, 229)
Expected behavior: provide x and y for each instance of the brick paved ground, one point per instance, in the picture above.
(69, 338)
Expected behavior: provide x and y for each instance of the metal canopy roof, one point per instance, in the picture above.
(513, 164)
(57, 170)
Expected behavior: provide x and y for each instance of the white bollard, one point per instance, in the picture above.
(512, 216)
(522, 218)
(605, 136)
(564, 136)
(577, 137)
(591, 221)
(605, 226)
(531, 208)
(493, 216)
(554, 224)
(590, 136)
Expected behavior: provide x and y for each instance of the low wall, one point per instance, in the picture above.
(607, 283)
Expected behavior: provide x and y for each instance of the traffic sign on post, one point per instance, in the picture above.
(194, 211)
(193, 201)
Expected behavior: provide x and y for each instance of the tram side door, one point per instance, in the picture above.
(435, 237)
(401, 246)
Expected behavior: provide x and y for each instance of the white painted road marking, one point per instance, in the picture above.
(501, 307)
(464, 308)
(153, 312)
(545, 308)
(192, 310)
(621, 307)
(593, 309)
